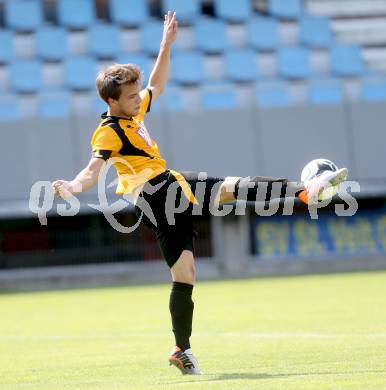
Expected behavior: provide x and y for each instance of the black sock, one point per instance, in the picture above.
(261, 188)
(181, 309)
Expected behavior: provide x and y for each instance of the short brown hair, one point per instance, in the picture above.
(109, 81)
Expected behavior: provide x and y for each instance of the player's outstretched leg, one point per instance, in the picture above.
(260, 188)
(181, 309)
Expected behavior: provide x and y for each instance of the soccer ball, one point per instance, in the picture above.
(315, 168)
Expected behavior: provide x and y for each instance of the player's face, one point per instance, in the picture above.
(129, 102)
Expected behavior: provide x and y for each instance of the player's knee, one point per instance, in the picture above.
(225, 194)
(193, 273)
(184, 270)
(227, 189)
(186, 277)
(189, 274)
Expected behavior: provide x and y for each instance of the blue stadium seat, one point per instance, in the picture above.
(9, 108)
(130, 13)
(218, 96)
(187, 67)
(272, 94)
(54, 104)
(51, 43)
(171, 99)
(7, 52)
(262, 33)
(210, 35)
(104, 40)
(26, 76)
(76, 14)
(240, 65)
(315, 31)
(186, 10)
(155, 106)
(23, 15)
(151, 36)
(80, 72)
(139, 59)
(345, 60)
(373, 89)
(325, 91)
(99, 106)
(286, 9)
(293, 62)
(233, 11)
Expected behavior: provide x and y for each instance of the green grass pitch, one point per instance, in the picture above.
(308, 332)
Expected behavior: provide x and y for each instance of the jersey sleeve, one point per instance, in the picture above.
(105, 142)
(146, 97)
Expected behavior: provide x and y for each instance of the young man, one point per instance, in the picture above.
(122, 137)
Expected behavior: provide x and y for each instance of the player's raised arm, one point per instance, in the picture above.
(86, 179)
(159, 75)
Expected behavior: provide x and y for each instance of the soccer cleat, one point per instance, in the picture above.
(185, 361)
(316, 186)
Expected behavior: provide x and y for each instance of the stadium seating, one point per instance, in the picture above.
(240, 65)
(79, 72)
(25, 76)
(315, 31)
(31, 11)
(172, 99)
(76, 14)
(130, 13)
(346, 61)
(54, 105)
(9, 108)
(293, 62)
(98, 105)
(138, 59)
(187, 67)
(51, 43)
(187, 10)
(325, 91)
(210, 35)
(285, 9)
(235, 45)
(272, 94)
(233, 11)
(262, 33)
(218, 96)
(7, 52)
(373, 89)
(151, 35)
(104, 40)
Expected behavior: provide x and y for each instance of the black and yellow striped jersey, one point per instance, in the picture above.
(135, 154)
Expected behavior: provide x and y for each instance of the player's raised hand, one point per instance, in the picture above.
(170, 28)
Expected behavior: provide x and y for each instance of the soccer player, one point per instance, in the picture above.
(123, 137)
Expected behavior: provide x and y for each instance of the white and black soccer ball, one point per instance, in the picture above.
(316, 167)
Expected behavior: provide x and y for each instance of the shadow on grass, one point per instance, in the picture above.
(260, 376)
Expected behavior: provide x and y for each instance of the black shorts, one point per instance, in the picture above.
(174, 231)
